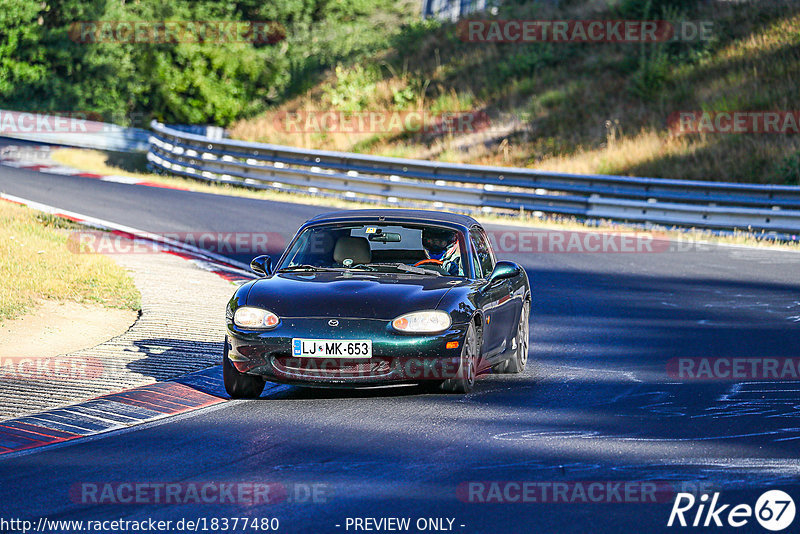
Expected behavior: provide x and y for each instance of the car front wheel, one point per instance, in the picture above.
(240, 385)
(465, 378)
(517, 363)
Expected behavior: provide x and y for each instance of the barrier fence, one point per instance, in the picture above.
(403, 182)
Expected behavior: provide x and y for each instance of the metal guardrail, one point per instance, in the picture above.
(75, 131)
(394, 181)
(72, 130)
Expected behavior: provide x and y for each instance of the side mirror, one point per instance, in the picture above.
(504, 270)
(262, 265)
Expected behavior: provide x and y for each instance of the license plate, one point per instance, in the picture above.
(331, 348)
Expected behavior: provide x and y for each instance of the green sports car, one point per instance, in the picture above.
(376, 297)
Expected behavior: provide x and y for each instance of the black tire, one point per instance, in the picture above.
(500, 368)
(465, 378)
(240, 385)
(431, 386)
(517, 363)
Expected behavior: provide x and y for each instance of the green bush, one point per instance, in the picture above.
(788, 170)
(352, 88)
(43, 69)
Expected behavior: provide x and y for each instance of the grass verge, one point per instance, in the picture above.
(36, 264)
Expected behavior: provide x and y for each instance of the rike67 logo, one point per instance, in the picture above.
(774, 510)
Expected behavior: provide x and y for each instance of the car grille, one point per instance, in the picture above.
(333, 368)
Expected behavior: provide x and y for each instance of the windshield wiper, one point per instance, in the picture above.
(372, 267)
(305, 267)
(409, 269)
(362, 267)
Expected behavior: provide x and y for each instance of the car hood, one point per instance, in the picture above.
(345, 294)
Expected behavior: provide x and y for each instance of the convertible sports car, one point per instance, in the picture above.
(377, 297)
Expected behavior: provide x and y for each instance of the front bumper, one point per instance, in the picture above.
(396, 358)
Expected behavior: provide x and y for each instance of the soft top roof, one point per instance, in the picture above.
(390, 215)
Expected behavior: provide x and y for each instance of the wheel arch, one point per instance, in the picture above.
(477, 320)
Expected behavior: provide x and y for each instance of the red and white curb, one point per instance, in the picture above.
(118, 411)
(103, 414)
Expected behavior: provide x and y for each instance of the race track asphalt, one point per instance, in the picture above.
(597, 403)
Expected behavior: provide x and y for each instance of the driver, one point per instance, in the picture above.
(441, 247)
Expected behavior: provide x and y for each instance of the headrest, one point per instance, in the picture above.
(354, 248)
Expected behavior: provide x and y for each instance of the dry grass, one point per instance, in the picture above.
(36, 264)
(273, 127)
(93, 161)
(567, 94)
(613, 158)
(348, 93)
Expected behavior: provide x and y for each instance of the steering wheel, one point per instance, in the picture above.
(429, 261)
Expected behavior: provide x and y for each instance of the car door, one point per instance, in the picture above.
(494, 298)
(489, 295)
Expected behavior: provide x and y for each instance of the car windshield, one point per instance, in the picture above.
(404, 248)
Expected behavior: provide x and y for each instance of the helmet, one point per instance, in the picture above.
(437, 240)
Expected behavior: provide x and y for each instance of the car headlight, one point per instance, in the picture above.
(423, 322)
(249, 317)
